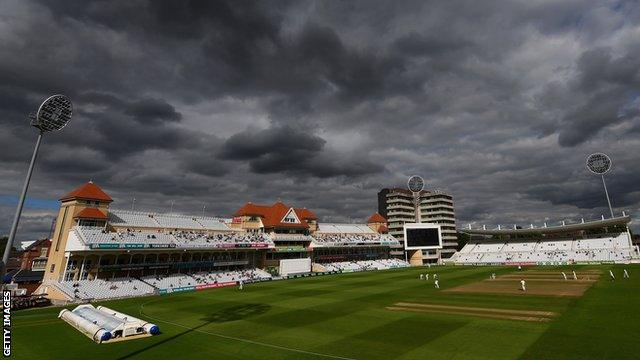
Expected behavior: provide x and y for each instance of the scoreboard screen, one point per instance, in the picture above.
(422, 236)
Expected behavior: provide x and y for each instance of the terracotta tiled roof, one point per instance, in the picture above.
(376, 218)
(383, 229)
(88, 191)
(91, 213)
(272, 215)
(250, 209)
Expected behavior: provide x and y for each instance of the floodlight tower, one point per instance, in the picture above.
(415, 185)
(600, 164)
(52, 115)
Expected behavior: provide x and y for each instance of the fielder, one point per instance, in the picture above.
(437, 284)
(421, 276)
(241, 284)
(523, 285)
(564, 275)
(426, 277)
(625, 274)
(575, 277)
(435, 276)
(613, 277)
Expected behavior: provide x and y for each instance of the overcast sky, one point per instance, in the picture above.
(322, 103)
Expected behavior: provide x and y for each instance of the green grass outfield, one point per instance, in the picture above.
(344, 316)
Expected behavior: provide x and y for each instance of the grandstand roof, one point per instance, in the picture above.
(91, 213)
(88, 191)
(344, 228)
(141, 219)
(376, 218)
(622, 220)
(273, 215)
(25, 275)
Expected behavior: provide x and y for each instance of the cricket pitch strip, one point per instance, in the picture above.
(546, 283)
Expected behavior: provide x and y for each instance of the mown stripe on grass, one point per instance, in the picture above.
(488, 310)
(247, 341)
(471, 313)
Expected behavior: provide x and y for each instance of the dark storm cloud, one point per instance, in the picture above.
(214, 103)
(114, 128)
(152, 111)
(607, 83)
(417, 45)
(287, 150)
(277, 141)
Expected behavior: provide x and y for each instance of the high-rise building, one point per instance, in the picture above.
(399, 206)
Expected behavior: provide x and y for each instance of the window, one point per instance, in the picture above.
(38, 265)
(53, 266)
(43, 252)
(90, 222)
(290, 217)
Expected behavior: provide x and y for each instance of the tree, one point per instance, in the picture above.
(463, 239)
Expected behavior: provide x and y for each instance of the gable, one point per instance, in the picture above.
(278, 215)
(290, 217)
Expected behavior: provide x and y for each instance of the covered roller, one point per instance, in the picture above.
(93, 331)
(150, 328)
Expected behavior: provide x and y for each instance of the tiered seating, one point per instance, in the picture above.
(210, 223)
(468, 249)
(105, 289)
(519, 246)
(488, 247)
(100, 289)
(138, 219)
(345, 228)
(177, 222)
(384, 264)
(621, 241)
(554, 245)
(196, 240)
(169, 281)
(339, 239)
(468, 257)
(364, 265)
(491, 257)
(132, 218)
(227, 276)
(600, 248)
(92, 235)
(173, 281)
(181, 239)
(290, 237)
(344, 266)
(601, 243)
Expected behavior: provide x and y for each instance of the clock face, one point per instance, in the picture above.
(415, 184)
(598, 163)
